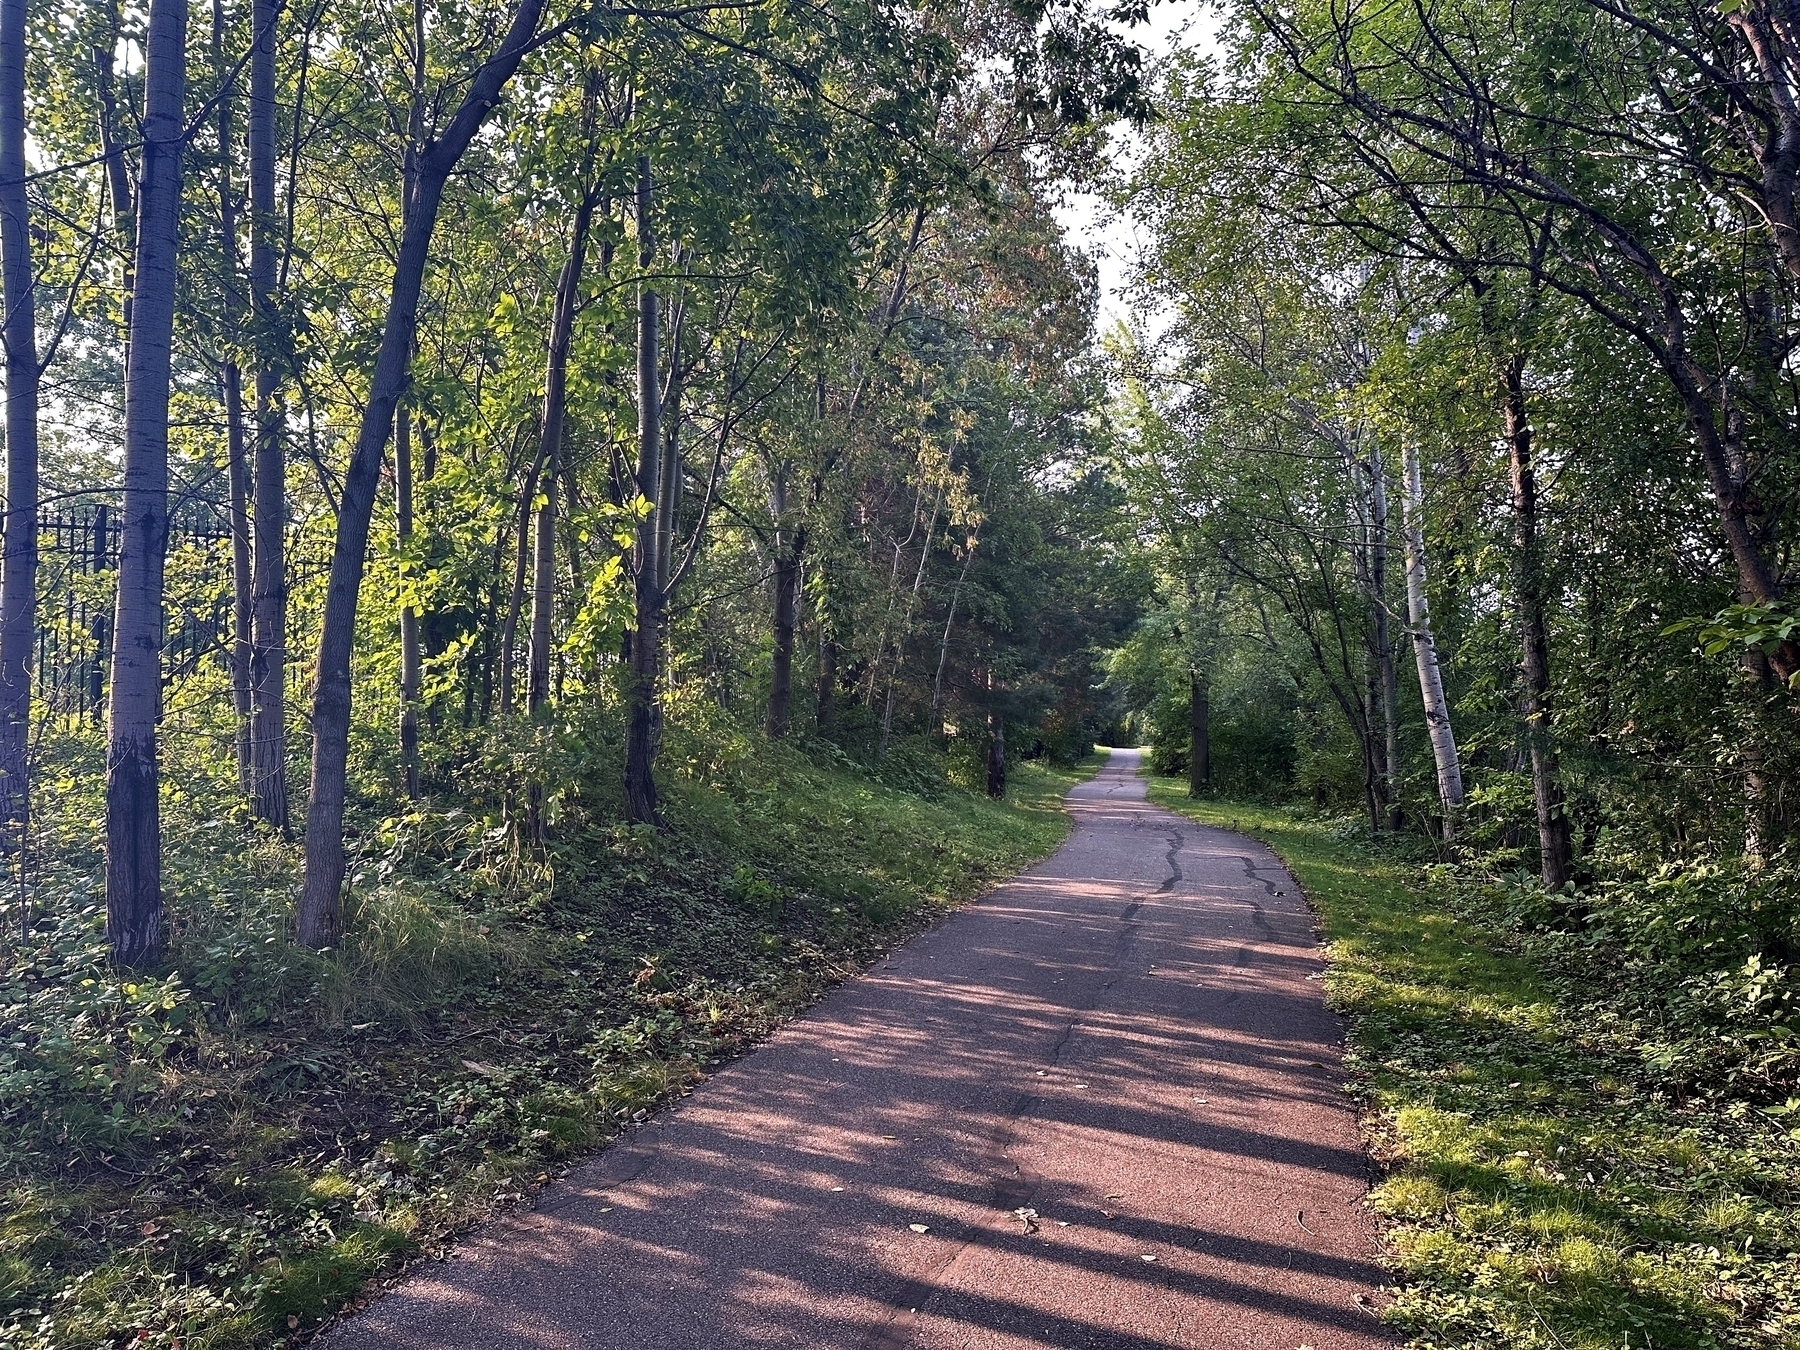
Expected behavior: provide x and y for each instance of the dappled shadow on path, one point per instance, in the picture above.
(1128, 1042)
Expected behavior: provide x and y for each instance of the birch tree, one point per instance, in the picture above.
(1424, 645)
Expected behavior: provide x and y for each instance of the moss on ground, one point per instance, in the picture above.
(1544, 1186)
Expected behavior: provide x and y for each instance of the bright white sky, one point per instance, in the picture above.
(1110, 240)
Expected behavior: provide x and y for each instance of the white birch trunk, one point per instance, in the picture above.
(1431, 680)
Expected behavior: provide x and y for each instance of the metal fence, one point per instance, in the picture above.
(78, 561)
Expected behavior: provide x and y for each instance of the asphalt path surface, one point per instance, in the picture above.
(1098, 1108)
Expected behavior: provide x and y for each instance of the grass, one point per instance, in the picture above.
(226, 1155)
(1545, 1185)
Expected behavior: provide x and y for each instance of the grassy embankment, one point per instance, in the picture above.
(1549, 1182)
(224, 1155)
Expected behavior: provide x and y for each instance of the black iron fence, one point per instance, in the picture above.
(78, 562)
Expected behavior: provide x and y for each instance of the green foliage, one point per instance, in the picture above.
(1758, 628)
(1580, 1120)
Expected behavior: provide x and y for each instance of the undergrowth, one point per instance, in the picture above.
(223, 1154)
(1584, 1111)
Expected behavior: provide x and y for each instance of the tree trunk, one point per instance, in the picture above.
(912, 598)
(827, 697)
(1554, 846)
(556, 383)
(640, 728)
(1757, 833)
(18, 570)
(1383, 631)
(231, 379)
(996, 753)
(515, 596)
(268, 599)
(318, 919)
(550, 434)
(786, 548)
(134, 920)
(937, 682)
(409, 614)
(112, 155)
(1199, 734)
(1425, 655)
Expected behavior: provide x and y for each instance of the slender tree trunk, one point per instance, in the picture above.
(318, 920)
(515, 596)
(937, 683)
(556, 383)
(1425, 655)
(112, 154)
(1554, 845)
(134, 920)
(1758, 677)
(1365, 712)
(268, 598)
(1384, 638)
(827, 696)
(231, 379)
(1199, 733)
(409, 615)
(912, 599)
(996, 751)
(669, 475)
(668, 478)
(640, 728)
(18, 571)
(543, 579)
(786, 546)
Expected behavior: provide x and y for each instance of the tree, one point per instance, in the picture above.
(646, 631)
(18, 572)
(319, 914)
(1424, 645)
(134, 917)
(269, 597)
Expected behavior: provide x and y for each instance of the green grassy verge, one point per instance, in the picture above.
(224, 1155)
(1545, 1184)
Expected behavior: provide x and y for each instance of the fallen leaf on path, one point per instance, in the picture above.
(919, 1227)
(1115, 1195)
(837, 1188)
(1028, 1217)
(1146, 1258)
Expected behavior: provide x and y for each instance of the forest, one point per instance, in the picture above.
(540, 536)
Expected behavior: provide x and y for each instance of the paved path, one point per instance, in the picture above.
(1128, 1039)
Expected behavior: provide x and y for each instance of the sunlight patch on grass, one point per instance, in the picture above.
(1539, 1190)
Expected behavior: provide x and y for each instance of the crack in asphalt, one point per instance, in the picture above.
(1257, 915)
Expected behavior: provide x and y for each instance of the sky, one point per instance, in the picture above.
(1110, 240)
